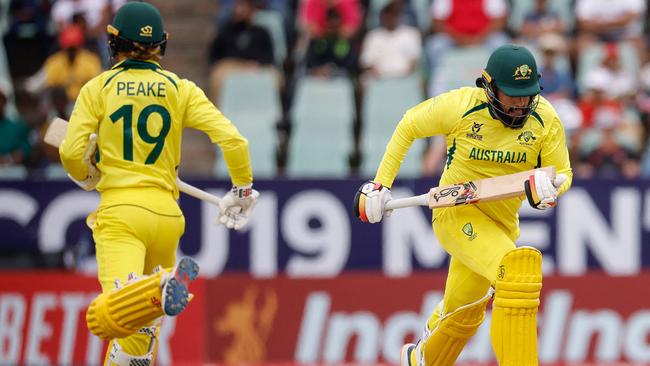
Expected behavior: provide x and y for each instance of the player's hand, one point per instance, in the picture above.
(370, 201)
(94, 175)
(236, 206)
(541, 191)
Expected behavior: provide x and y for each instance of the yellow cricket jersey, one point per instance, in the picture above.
(480, 146)
(139, 111)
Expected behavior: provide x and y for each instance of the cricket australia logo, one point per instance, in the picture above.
(476, 128)
(469, 231)
(522, 72)
(526, 138)
(146, 31)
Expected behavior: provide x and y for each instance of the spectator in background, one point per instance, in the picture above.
(465, 23)
(240, 45)
(314, 16)
(28, 39)
(91, 15)
(392, 50)
(540, 21)
(609, 21)
(596, 96)
(72, 66)
(621, 83)
(557, 83)
(642, 102)
(611, 158)
(15, 148)
(331, 54)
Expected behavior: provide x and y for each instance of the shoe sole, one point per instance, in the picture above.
(405, 354)
(176, 290)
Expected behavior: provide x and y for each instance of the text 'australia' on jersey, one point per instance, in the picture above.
(480, 146)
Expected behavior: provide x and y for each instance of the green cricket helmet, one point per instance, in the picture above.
(136, 22)
(512, 70)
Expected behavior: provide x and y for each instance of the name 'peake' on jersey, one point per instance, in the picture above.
(140, 88)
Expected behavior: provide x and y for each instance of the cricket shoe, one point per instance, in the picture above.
(405, 355)
(175, 291)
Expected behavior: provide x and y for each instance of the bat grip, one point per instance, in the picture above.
(197, 193)
(421, 200)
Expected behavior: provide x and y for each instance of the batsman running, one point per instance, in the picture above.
(500, 127)
(136, 112)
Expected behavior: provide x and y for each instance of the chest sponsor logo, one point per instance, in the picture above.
(526, 138)
(476, 128)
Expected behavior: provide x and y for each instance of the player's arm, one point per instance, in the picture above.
(542, 191)
(555, 153)
(201, 114)
(429, 118)
(83, 122)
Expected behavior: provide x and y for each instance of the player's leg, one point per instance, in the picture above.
(514, 311)
(454, 321)
(514, 272)
(129, 312)
(476, 244)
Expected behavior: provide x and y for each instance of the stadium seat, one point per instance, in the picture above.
(55, 171)
(14, 172)
(384, 103)
(592, 56)
(458, 67)
(321, 137)
(272, 21)
(255, 121)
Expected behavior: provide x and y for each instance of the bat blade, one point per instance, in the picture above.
(56, 132)
(483, 190)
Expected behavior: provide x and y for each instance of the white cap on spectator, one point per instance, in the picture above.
(597, 79)
(552, 42)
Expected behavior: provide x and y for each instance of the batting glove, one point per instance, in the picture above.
(370, 201)
(236, 206)
(541, 191)
(94, 175)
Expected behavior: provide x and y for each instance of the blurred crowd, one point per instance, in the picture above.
(592, 54)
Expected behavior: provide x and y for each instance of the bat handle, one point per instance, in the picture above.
(197, 193)
(421, 200)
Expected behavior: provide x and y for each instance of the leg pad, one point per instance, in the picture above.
(121, 312)
(441, 345)
(514, 311)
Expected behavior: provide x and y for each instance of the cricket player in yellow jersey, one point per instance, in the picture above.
(138, 111)
(500, 127)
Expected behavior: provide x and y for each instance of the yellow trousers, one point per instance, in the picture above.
(476, 244)
(134, 239)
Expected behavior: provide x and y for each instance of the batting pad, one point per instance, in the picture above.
(442, 344)
(124, 311)
(514, 311)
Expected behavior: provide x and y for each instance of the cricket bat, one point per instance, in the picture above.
(482, 190)
(56, 133)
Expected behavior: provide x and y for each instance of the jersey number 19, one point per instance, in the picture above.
(126, 112)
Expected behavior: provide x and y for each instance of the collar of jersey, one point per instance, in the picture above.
(137, 64)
